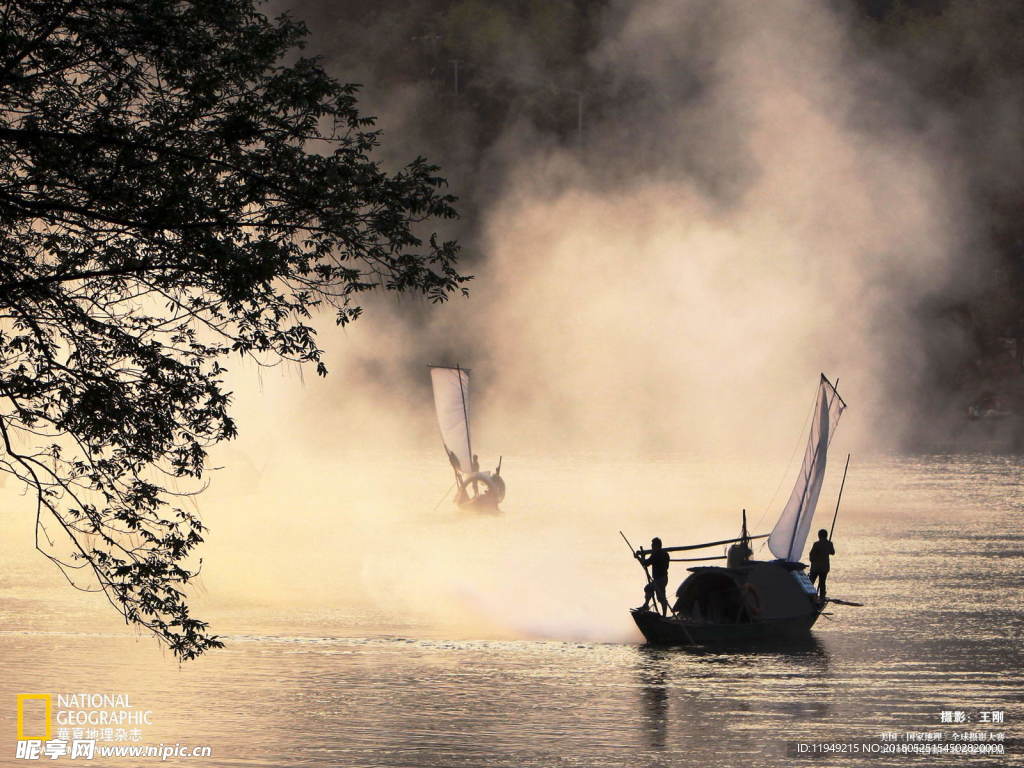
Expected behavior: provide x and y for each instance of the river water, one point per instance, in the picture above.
(429, 637)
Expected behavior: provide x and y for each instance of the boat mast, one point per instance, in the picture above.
(465, 413)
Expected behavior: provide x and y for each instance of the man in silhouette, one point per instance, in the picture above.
(474, 468)
(453, 459)
(820, 551)
(738, 555)
(658, 561)
(497, 483)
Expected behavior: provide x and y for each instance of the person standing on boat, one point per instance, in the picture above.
(658, 561)
(819, 557)
(474, 468)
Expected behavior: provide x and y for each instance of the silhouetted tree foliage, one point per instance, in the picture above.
(177, 185)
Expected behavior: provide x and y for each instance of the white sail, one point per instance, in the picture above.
(790, 534)
(451, 400)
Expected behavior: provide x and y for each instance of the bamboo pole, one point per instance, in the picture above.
(840, 498)
(636, 557)
(702, 546)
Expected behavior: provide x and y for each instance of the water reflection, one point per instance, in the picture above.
(653, 673)
(685, 693)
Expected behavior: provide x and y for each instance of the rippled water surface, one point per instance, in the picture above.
(555, 675)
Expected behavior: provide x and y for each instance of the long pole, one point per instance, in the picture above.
(705, 546)
(446, 493)
(841, 486)
(636, 557)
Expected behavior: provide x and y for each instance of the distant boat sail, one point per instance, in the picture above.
(790, 533)
(451, 402)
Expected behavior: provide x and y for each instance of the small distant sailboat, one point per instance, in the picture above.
(474, 488)
(750, 600)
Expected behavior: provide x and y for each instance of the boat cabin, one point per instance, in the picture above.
(753, 591)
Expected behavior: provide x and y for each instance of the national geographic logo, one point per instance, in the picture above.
(30, 731)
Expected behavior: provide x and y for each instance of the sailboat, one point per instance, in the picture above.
(474, 488)
(753, 600)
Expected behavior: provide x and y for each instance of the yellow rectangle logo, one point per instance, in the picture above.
(45, 698)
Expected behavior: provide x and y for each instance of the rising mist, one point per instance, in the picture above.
(766, 204)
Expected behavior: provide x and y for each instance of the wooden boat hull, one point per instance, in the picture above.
(487, 501)
(662, 630)
(483, 503)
